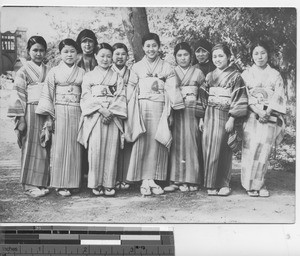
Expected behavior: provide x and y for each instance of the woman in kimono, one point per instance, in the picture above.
(227, 101)
(60, 102)
(103, 104)
(87, 42)
(27, 88)
(155, 89)
(203, 56)
(186, 163)
(264, 125)
(120, 57)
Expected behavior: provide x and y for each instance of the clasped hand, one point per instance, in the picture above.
(263, 116)
(107, 115)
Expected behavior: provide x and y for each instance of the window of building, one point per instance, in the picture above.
(8, 43)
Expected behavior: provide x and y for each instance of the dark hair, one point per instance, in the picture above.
(120, 46)
(151, 36)
(223, 47)
(182, 46)
(36, 40)
(261, 43)
(86, 33)
(105, 46)
(70, 42)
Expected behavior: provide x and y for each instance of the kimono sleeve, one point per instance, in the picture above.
(133, 80)
(119, 105)
(278, 100)
(88, 103)
(18, 97)
(46, 102)
(202, 99)
(172, 88)
(239, 97)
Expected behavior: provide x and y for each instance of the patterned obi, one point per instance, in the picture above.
(189, 93)
(34, 93)
(151, 88)
(219, 97)
(68, 94)
(104, 93)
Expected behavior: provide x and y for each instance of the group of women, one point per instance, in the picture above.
(148, 123)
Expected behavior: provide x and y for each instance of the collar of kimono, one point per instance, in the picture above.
(151, 66)
(35, 72)
(184, 77)
(107, 75)
(72, 72)
(217, 80)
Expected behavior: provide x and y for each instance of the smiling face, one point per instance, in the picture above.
(68, 55)
(87, 45)
(260, 56)
(183, 58)
(220, 59)
(37, 53)
(120, 57)
(104, 58)
(201, 55)
(151, 48)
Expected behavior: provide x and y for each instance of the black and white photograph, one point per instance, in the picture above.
(148, 114)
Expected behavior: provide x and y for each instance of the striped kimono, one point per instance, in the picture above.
(60, 99)
(155, 91)
(227, 97)
(124, 153)
(27, 88)
(186, 163)
(102, 89)
(265, 89)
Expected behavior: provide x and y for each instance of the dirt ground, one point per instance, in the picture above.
(129, 206)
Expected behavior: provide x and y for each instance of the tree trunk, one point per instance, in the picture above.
(136, 26)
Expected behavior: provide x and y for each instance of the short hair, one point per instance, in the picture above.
(36, 40)
(151, 36)
(182, 46)
(105, 46)
(86, 33)
(70, 42)
(261, 43)
(223, 47)
(120, 46)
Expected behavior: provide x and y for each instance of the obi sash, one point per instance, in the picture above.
(219, 97)
(34, 91)
(68, 94)
(151, 88)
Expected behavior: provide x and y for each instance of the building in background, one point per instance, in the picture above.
(13, 47)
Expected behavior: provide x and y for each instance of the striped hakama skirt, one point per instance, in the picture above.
(258, 140)
(103, 149)
(66, 151)
(186, 163)
(216, 153)
(149, 158)
(35, 160)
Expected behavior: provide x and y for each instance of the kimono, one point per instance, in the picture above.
(205, 67)
(155, 92)
(186, 163)
(102, 89)
(265, 89)
(124, 153)
(60, 99)
(227, 97)
(35, 159)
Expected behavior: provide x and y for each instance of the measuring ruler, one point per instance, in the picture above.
(79, 240)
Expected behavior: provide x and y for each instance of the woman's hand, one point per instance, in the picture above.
(263, 116)
(201, 124)
(229, 124)
(107, 115)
